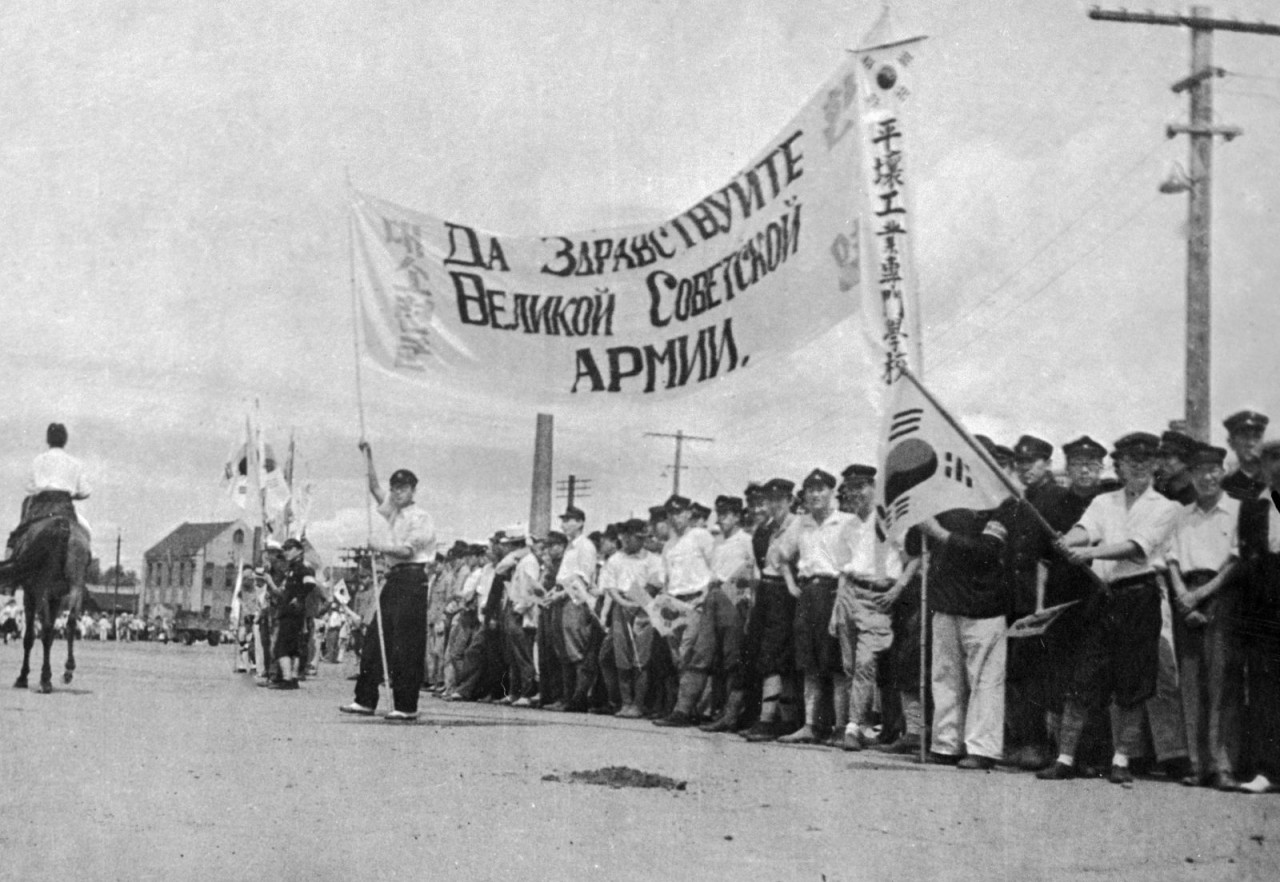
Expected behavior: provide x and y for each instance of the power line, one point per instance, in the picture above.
(676, 467)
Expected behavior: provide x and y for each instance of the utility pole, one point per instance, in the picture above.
(116, 604)
(573, 487)
(1201, 131)
(680, 437)
(540, 497)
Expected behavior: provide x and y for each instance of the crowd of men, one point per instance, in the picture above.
(790, 619)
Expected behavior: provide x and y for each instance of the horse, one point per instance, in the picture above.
(50, 556)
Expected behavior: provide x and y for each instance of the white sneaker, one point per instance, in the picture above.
(396, 716)
(1260, 784)
(358, 709)
(522, 702)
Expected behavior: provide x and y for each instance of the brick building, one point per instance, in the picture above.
(194, 567)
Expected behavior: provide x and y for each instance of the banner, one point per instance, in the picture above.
(759, 267)
(891, 307)
(930, 464)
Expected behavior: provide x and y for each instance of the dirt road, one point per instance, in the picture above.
(159, 763)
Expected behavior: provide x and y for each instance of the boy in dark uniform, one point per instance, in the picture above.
(1244, 437)
(291, 612)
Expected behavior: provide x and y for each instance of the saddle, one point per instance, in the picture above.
(41, 507)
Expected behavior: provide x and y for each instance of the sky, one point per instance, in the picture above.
(173, 241)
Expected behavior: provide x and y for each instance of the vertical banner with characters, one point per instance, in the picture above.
(758, 267)
(891, 305)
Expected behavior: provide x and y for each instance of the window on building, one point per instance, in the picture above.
(238, 537)
(208, 575)
(207, 609)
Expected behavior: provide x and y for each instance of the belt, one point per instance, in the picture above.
(406, 566)
(829, 581)
(1137, 581)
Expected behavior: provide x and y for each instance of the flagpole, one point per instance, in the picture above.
(924, 650)
(368, 505)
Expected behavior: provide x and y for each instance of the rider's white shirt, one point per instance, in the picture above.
(55, 469)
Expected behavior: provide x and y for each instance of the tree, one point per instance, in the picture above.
(128, 578)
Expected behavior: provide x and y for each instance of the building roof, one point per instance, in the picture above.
(188, 539)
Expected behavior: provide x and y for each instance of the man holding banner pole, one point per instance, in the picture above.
(402, 603)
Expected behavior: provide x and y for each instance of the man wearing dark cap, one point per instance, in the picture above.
(769, 649)
(698, 515)
(1202, 558)
(582, 631)
(1123, 534)
(1259, 625)
(554, 692)
(1244, 437)
(298, 583)
(1173, 471)
(870, 583)
(686, 559)
(403, 602)
(811, 556)
(659, 529)
(1029, 554)
(629, 579)
(717, 649)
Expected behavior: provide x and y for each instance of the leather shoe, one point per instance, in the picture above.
(803, 735)
(907, 744)
(1194, 780)
(1057, 772)
(760, 733)
(977, 763)
(677, 719)
(1120, 775)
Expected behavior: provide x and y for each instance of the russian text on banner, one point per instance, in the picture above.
(760, 266)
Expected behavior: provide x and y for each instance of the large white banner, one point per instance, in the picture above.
(761, 266)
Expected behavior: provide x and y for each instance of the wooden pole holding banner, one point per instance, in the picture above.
(368, 507)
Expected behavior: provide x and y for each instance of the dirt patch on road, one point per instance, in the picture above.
(618, 777)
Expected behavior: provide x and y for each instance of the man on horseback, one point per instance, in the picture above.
(49, 552)
(57, 479)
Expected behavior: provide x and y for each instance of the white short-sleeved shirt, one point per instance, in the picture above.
(1205, 540)
(687, 560)
(628, 574)
(733, 558)
(411, 526)
(864, 547)
(817, 549)
(1148, 523)
(578, 564)
(55, 469)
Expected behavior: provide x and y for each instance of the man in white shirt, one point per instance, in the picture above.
(1123, 534)
(716, 643)
(520, 616)
(1202, 559)
(403, 603)
(686, 558)
(861, 620)
(582, 630)
(629, 578)
(57, 479)
(812, 555)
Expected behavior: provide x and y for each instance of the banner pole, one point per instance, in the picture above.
(355, 339)
(925, 729)
(382, 642)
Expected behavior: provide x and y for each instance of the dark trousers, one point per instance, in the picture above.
(1028, 676)
(817, 652)
(770, 645)
(551, 687)
(518, 652)
(1262, 655)
(404, 625)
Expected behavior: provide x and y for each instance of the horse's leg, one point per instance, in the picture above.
(46, 642)
(75, 566)
(28, 641)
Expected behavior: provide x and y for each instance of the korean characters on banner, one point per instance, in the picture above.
(758, 267)
(891, 302)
